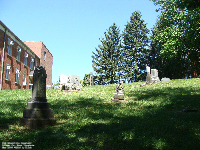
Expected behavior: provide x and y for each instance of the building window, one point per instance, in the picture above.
(8, 67)
(31, 63)
(24, 79)
(36, 63)
(30, 82)
(44, 55)
(17, 76)
(18, 54)
(9, 48)
(25, 59)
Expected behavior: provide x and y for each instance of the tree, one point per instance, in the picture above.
(108, 56)
(177, 38)
(86, 80)
(135, 40)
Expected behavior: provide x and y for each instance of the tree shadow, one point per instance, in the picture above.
(10, 118)
(158, 127)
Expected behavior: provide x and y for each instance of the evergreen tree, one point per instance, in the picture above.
(135, 40)
(107, 58)
(86, 80)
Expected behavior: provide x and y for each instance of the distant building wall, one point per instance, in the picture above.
(46, 58)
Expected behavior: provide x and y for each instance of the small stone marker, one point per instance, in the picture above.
(165, 80)
(118, 96)
(38, 113)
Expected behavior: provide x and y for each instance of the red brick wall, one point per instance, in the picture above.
(47, 63)
(35, 47)
(15, 64)
(39, 48)
(1, 49)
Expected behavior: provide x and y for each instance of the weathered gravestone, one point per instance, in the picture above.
(153, 76)
(73, 83)
(74, 79)
(148, 77)
(38, 113)
(118, 96)
(63, 79)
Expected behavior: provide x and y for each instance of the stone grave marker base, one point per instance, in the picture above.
(33, 123)
(38, 115)
(118, 96)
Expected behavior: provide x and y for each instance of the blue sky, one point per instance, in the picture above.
(71, 29)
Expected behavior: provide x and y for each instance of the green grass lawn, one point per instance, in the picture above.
(152, 118)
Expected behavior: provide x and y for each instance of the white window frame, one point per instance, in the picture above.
(25, 58)
(7, 75)
(17, 76)
(31, 63)
(24, 79)
(18, 54)
(9, 48)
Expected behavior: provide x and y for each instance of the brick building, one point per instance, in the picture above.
(46, 58)
(17, 61)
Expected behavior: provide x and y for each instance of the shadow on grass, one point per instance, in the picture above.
(91, 124)
(175, 98)
(8, 114)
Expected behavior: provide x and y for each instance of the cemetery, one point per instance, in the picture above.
(136, 96)
(153, 118)
(70, 83)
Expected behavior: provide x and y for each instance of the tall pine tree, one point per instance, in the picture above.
(135, 40)
(107, 58)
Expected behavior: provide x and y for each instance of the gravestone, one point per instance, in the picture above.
(38, 113)
(63, 79)
(165, 80)
(118, 95)
(73, 83)
(148, 77)
(73, 79)
(152, 77)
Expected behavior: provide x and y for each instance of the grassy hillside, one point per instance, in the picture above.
(152, 118)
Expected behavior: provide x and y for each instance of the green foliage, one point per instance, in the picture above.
(108, 57)
(56, 84)
(175, 38)
(86, 80)
(135, 40)
(152, 118)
